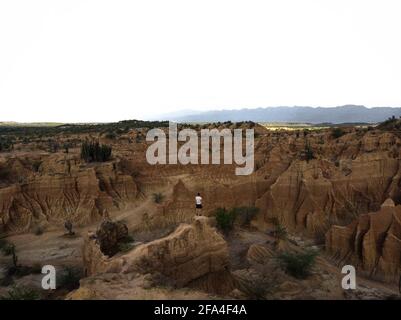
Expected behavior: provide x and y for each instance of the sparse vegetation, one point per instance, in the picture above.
(6, 144)
(308, 152)
(36, 268)
(110, 135)
(3, 243)
(95, 152)
(158, 197)
(36, 165)
(8, 249)
(280, 232)
(244, 215)
(52, 129)
(225, 219)
(258, 289)
(298, 265)
(337, 133)
(69, 278)
(125, 246)
(129, 238)
(21, 293)
(68, 226)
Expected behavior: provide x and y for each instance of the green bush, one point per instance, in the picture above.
(21, 293)
(244, 215)
(128, 239)
(3, 243)
(225, 219)
(309, 154)
(110, 135)
(8, 249)
(124, 246)
(280, 232)
(6, 144)
(298, 265)
(337, 133)
(6, 281)
(69, 278)
(158, 197)
(36, 268)
(95, 152)
(36, 165)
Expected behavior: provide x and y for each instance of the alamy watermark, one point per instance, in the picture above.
(196, 147)
(348, 282)
(49, 280)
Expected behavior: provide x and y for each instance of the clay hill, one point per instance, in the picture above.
(117, 227)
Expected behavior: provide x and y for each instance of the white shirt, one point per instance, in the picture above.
(198, 200)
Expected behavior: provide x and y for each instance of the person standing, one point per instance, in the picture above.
(198, 205)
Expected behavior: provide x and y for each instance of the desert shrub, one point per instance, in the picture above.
(389, 124)
(6, 280)
(20, 271)
(69, 278)
(244, 215)
(337, 133)
(36, 165)
(125, 246)
(126, 243)
(158, 197)
(3, 243)
(6, 144)
(308, 152)
(95, 152)
(36, 268)
(298, 265)
(68, 225)
(8, 249)
(21, 293)
(128, 239)
(110, 135)
(258, 289)
(4, 173)
(225, 219)
(280, 232)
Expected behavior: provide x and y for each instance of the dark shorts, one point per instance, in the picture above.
(198, 206)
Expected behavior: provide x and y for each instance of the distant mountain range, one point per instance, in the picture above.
(342, 114)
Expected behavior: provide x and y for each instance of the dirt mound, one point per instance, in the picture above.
(193, 255)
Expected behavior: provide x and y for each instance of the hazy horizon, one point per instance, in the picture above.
(98, 61)
(183, 113)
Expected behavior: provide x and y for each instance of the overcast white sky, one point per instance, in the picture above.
(72, 61)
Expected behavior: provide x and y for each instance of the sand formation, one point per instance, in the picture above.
(342, 191)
